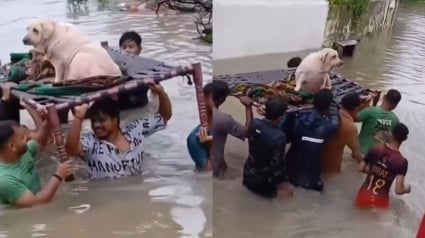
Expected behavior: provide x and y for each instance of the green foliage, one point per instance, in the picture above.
(207, 38)
(357, 7)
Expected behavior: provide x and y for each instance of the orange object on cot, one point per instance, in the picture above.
(365, 199)
(421, 230)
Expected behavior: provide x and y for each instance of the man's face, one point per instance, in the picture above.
(103, 126)
(18, 142)
(130, 47)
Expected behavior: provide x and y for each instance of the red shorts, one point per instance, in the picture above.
(421, 230)
(365, 199)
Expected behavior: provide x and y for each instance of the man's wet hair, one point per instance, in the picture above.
(294, 62)
(351, 101)
(104, 107)
(400, 132)
(131, 35)
(275, 108)
(7, 130)
(323, 99)
(219, 90)
(393, 97)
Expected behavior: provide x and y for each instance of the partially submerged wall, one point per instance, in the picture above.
(342, 25)
(261, 27)
(258, 27)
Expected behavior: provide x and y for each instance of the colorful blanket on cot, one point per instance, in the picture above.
(70, 87)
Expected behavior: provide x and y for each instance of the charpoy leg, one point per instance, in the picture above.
(52, 113)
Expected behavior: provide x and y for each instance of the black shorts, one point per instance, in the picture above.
(260, 187)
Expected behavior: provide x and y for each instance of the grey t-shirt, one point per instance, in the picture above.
(105, 160)
(222, 125)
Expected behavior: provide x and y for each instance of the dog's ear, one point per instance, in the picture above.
(324, 56)
(47, 29)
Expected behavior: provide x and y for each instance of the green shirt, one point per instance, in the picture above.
(376, 126)
(16, 179)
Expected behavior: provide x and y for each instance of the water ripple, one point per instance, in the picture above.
(122, 208)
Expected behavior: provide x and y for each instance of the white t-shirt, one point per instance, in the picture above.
(105, 160)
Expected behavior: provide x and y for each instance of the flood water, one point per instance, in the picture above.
(170, 199)
(393, 59)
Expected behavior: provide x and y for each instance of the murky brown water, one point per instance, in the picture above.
(387, 60)
(170, 200)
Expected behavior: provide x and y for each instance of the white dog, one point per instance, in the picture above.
(69, 50)
(313, 72)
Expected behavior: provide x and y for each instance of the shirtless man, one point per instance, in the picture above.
(382, 164)
(346, 135)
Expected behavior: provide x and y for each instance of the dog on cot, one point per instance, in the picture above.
(69, 50)
(312, 74)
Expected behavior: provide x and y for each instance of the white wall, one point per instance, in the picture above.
(257, 27)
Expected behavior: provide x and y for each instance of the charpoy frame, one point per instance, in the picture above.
(340, 85)
(53, 106)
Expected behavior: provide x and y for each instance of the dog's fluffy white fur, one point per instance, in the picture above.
(313, 72)
(69, 50)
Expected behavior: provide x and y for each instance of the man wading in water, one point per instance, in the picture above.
(111, 151)
(19, 182)
(199, 140)
(309, 132)
(265, 169)
(384, 164)
(346, 135)
(377, 121)
(224, 124)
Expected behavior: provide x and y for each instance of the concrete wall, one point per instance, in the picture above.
(341, 25)
(258, 27)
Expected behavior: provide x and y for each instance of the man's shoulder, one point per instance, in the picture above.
(394, 116)
(347, 125)
(88, 140)
(371, 110)
(221, 116)
(7, 177)
(132, 125)
(271, 131)
(88, 136)
(379, 148)
(398, 161)
(222, 120)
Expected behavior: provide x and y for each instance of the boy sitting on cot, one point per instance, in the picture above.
(293, 63)
(130, 42)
